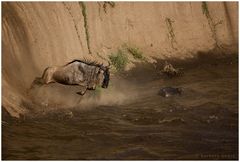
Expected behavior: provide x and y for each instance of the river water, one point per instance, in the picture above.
(202, 123)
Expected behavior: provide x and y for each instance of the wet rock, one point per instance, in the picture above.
(170, 91)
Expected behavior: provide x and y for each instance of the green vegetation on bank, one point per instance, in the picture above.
(212, 24)
(136, 53)
(119, 60)
(205, 9)
(84, 13)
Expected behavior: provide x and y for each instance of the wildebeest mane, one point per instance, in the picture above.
(85, 61)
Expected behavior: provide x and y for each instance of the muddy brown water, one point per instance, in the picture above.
(202, 123)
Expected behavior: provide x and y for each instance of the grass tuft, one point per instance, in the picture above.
(84, 13)
(205, 9)
(136, 53)
(119, 60)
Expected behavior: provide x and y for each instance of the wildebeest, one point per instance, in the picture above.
(84, 73)
(170, 71)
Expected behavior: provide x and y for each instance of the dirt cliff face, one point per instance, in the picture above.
(37, 35)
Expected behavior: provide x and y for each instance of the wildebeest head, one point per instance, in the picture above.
(100, 76)
(106, 76)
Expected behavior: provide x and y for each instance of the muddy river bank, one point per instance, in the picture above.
(135, 122)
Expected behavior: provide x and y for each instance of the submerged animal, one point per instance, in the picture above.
(170, 91)
(84, 73)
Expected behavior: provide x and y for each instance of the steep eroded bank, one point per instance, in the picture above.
(37, 35)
